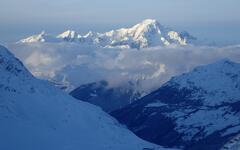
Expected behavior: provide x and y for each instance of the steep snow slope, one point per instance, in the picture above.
(148, 33)
(196, 110)
(35, 115)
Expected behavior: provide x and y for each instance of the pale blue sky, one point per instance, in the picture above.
(212, 19)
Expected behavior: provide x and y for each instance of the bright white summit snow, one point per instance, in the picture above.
(148, 33)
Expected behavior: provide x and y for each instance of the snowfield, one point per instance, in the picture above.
(195, 110)
(36, 115)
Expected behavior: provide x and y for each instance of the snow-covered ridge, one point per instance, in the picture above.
(11, 64)
(69, 35)
(220, 80)
(201, 108)
(42, 37)
(36, 115)
(148, 33)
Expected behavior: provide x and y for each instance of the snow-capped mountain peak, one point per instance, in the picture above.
(35, 38)
(69, 35)
(41, 37)
(148, 33)
(90, 34)
(150, 21)
(148, 25)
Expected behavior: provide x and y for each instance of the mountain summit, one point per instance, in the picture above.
(148, 33)
(41, 37)
(69, 36)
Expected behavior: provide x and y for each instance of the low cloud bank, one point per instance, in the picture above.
(146, 68)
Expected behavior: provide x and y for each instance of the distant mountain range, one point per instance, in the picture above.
(196, 110)
(148, 33)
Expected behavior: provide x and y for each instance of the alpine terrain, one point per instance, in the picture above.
(196, 110)
(36, 115)
(148, 33)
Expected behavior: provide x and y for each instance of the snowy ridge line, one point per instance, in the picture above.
(198, 109)
(148, 33)
(34, 110)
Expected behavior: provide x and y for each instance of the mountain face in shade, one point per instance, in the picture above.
(232, 144)
(196, 110)
(108, 98)
(148, 33)
(36, 115)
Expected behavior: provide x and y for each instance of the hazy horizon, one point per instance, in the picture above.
(216, 20)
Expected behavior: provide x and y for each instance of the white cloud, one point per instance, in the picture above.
(148, 67)
(37, 58)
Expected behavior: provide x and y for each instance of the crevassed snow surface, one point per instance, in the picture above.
(35, 115)
(148, 33)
